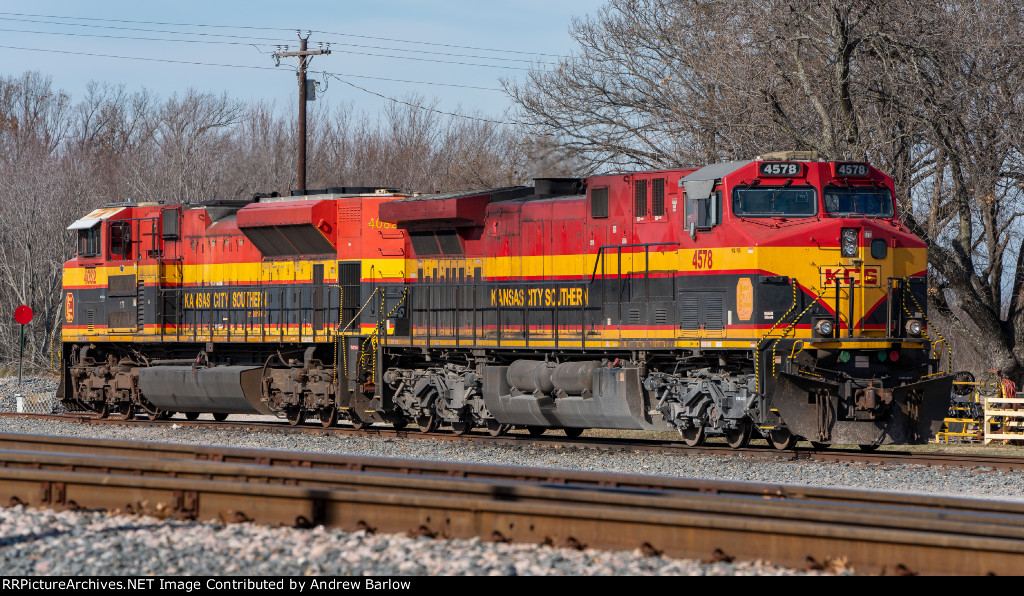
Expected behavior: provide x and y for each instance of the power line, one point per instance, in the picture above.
(265, 44)
(272, 40)
(195, 63)
(240, 43)
(337, 78)
(434, 60)
(17, 14)
(338, 43)
(443, 45)
(275, 40)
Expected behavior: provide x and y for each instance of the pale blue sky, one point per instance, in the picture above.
(537, 27)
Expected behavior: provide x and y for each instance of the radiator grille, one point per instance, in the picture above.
(714, 315)
(658, 197)
(689, 309)
(640, 199)
(349, 212)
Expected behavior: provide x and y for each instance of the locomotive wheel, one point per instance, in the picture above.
(572, 433)
(495, 428)
(122, 411)
(462, 427)
(328, 416)
(220, 416)
(294, 414)
(781, 438)
(427, 424)
(103, 410)
(357, 423)
(740, 437)
(536, 431)
(694, 437)
(153, 413)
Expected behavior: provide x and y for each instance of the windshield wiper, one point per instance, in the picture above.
(771, 201)
(750, 185)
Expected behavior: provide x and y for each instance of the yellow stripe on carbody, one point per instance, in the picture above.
(801, 262)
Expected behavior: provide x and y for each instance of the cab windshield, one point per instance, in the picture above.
(872, 202)
(782, 201)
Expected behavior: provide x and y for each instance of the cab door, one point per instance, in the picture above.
(124, 287)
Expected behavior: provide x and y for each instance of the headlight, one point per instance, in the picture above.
(849, 242)
(914, 327)
(825, 327)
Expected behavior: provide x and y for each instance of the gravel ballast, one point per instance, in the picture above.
(73, 544)
(30, 386)
(43, 542)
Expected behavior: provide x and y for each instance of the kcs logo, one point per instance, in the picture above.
(69, 308)
(844, 276)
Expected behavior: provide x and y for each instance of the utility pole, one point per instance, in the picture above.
(302, 57)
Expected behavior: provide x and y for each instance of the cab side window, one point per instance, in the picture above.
(704, 212)
(120, 240)
(89, 242)
(599, 202)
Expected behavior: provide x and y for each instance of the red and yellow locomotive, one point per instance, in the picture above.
(780, 295)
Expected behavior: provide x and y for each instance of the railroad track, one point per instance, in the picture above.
(881, 457)
(791, 526)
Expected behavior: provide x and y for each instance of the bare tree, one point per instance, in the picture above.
(930, 91)
(189, 146)
(36, 192)
(958, 78)
(59, 159)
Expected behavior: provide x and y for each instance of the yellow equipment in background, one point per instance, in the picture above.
(1004, 413)
(986, 411)
(964, 424)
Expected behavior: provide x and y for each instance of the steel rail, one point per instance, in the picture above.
(44, 445)
(944, 510)
(881, 457)
(881, 537)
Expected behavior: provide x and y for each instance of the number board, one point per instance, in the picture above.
(781, 169)
(850, 170)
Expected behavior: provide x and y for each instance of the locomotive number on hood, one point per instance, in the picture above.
(703, 259)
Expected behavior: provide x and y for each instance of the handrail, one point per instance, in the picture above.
(600, 253)
(905, 291)
(365, 304)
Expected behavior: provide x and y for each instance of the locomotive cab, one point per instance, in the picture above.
(839, 310)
